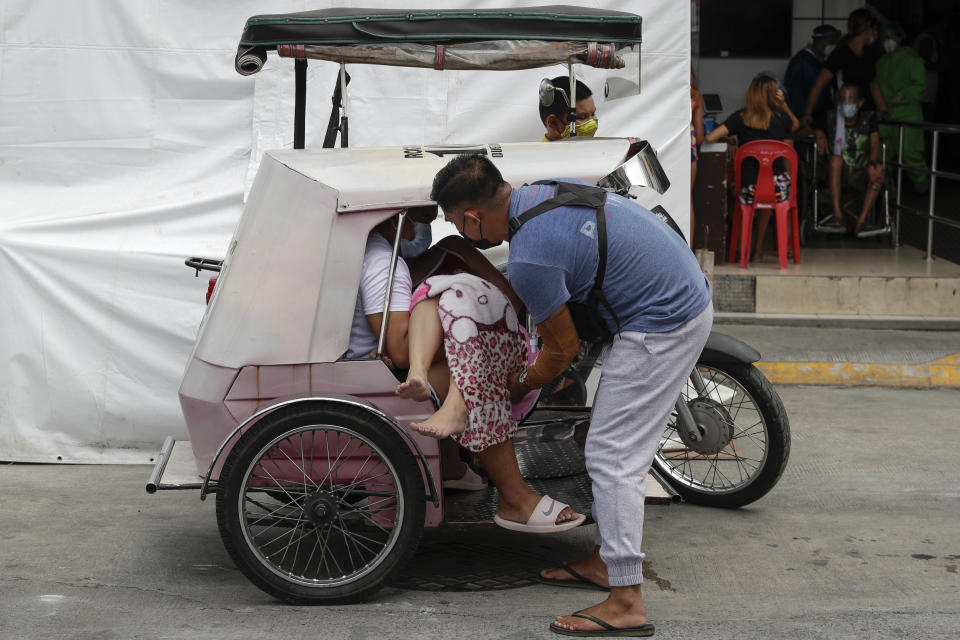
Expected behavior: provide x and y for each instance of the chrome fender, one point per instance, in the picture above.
(322, 401)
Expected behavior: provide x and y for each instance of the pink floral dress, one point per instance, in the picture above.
(484, 344)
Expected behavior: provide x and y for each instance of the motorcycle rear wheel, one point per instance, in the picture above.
(746, 441)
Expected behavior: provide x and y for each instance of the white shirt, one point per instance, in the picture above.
(373, 291)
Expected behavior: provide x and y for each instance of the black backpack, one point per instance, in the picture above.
(589, 323)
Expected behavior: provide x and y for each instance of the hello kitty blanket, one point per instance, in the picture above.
(484, 344)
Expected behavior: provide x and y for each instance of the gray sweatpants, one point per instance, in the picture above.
(642, 376)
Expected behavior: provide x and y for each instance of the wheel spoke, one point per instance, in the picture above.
(358, 487)
(734, 466)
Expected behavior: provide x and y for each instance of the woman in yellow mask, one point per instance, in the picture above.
(555, 116)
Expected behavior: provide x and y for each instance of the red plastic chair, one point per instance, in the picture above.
(765, 152)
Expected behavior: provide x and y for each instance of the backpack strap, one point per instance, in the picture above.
(576, 195)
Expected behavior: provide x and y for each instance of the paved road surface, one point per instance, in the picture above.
(861, 539)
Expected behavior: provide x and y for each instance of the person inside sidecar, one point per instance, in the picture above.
(453, 323)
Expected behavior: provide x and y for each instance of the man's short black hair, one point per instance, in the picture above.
(560, 108)
(856, 88)
(467, 179)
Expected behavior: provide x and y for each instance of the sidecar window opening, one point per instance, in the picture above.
(385, 275)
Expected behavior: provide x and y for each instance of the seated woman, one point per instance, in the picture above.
(765, 116)
(492, 424)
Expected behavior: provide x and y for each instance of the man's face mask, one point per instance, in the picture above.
(827, 50)
(422, 240)
(848, 110)
(585, 129)
(889, 45)
(480, 244)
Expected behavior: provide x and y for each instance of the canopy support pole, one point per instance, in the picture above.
(573, 100)
(344, 126)
(300, 102)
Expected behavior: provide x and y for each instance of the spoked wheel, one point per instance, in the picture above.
(744, 438)
(320, 505)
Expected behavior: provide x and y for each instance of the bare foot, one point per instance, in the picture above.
(415, 388)
(442, 424)
(522, 510)
(623, 609)
(592, 568)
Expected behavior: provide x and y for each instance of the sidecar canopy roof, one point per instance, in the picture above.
(387, 36)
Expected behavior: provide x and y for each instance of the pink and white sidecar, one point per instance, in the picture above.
(322, 491)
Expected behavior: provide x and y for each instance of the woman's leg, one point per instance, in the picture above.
(449, 419)
(516, 499)
(763, 219)
(425, 339)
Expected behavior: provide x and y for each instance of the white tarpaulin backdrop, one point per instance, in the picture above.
(127, 142)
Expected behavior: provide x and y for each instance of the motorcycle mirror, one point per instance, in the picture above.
(548, 93)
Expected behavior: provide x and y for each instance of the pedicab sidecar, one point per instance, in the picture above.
(322, 492)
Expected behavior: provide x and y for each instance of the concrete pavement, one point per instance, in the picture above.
(860, 539)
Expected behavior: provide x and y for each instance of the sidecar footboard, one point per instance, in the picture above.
(175, 468)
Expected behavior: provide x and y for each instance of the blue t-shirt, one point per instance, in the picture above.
(653, 281)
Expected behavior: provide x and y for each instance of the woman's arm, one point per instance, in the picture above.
(719, 132)
(786, 109)
(698, 117)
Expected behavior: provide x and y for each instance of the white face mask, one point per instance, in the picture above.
(422, 238)
(889, 45)
(827, 50)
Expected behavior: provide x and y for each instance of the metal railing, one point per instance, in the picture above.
(932, 171)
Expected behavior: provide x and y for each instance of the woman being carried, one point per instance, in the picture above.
(471, 324)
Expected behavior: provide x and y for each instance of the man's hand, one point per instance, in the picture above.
(517, 389)
(386, 359)
(821, 142)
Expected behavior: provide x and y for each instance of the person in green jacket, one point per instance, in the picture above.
(902, 80)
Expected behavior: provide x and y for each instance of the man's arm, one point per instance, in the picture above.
(874, 147)
(560, 345)
(395, 346)
(822, 79)
(878, 97)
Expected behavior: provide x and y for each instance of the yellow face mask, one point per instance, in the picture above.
(584, 130)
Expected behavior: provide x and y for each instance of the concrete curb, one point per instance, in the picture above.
(929, 323)
(940, 373)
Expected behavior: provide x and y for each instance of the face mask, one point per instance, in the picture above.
(482, 243)
(422, 238)
(585, 130)
(827, 50)
(588, 128)
(848, 110)
(889, 45)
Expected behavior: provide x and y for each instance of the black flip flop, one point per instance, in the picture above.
(578, 582)
(607, 630)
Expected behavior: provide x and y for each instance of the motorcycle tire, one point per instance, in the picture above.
(743, 422)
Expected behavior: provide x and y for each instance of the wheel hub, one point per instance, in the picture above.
(321, 508)
(713, 424)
